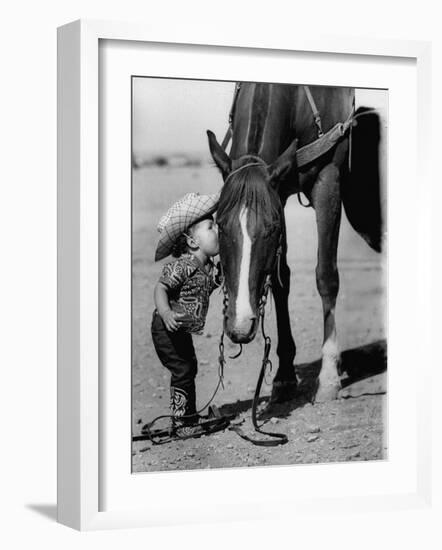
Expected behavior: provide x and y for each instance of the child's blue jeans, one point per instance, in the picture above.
(176, 352)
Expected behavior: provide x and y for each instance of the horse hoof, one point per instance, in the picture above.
(326, 392)
(283, 391)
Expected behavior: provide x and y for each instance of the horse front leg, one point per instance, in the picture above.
(284, 383)
(327, 204)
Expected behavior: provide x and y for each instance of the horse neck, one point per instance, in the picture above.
(262, 121)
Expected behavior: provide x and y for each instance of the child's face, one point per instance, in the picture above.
(205, 235)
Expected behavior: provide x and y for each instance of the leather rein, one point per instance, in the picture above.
(266, 365)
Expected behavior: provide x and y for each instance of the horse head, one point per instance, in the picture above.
(251, 233)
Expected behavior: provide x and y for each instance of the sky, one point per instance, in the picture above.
(172, 115)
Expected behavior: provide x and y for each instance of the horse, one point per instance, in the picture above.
(270, 125)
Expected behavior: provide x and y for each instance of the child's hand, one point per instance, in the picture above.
(169, 319)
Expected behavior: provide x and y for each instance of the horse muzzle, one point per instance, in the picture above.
(241, 331)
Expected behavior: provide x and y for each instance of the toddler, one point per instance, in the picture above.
(189, 233)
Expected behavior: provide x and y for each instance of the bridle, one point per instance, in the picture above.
(266, 363)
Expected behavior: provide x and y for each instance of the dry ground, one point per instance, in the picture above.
(349, 429)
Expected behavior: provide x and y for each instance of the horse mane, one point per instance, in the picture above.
(249, 187)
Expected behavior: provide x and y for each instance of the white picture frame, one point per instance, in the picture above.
(79, 273)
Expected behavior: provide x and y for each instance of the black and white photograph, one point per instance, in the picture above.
(259, 274)
(221, 280)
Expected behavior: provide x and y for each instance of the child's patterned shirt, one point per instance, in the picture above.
(190, 285)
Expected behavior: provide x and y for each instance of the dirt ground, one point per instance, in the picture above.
(352, 428)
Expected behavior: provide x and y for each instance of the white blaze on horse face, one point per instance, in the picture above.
(243, 308)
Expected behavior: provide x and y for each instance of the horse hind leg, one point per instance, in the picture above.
(327, 204)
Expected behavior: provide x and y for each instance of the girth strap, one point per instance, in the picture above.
(322, 145)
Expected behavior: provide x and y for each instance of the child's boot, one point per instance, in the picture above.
(185, 420)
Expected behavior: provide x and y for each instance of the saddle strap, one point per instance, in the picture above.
(229, 132)
(313, 150)
(322, 145)
(227, 138)
(316, 115)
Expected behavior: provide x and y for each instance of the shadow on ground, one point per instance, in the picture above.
(357, 364)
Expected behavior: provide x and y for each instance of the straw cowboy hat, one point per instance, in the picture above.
(180, 217)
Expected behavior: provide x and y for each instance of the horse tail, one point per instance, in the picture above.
(361, 190)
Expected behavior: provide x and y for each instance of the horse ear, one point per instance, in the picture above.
(284, 164)
(220, 157)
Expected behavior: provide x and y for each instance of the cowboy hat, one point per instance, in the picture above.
(180, 216)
